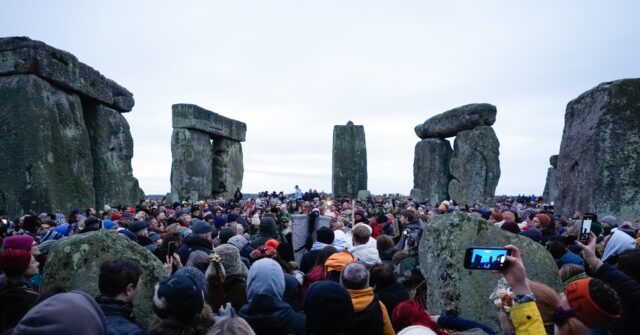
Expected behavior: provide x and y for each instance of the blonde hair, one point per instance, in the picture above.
(231, 326)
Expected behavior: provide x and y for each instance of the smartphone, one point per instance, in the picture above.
(585, 229)
(171, 248)
(486, 258)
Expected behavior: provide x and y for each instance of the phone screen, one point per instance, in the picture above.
(486, 258)
(585, 230)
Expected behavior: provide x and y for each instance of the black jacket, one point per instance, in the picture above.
(15, 301)
(119, 315)
(628, 290)
(193, 243)
(269, 316)
(392, 295)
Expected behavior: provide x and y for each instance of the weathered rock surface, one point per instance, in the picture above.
(363, 194)
(550, 192)
(349, 172)
(451, 122)
(451, 287)
(475, 166)
(191, 167)
(196, 117)
(45, 154)
(431, 170)
(111, 150)
(227, 167)
(74, 263)
(21, 55)
(598, 162)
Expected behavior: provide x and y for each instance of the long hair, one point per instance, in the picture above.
(548, 302)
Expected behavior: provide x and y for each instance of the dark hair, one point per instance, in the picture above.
(629, 263)
(410, 214)
(324, 254)
(381, 276)
(605, 296)
(116, 275)
(384, 243)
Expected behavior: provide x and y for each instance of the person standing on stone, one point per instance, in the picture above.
(200, 239)
(120, 282)
(297, 193)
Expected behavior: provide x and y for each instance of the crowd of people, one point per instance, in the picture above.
(231, 269)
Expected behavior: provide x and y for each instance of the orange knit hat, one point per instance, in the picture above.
(588, 311)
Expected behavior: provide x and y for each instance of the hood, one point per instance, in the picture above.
(366, 254)
(46, 317)
(265, 278)
(340, 241)
(618, 243)
(318, 246)
(361, 298)
(268, 227)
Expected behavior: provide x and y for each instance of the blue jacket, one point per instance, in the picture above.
(119, 315)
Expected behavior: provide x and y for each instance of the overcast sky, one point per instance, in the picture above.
(293, 69)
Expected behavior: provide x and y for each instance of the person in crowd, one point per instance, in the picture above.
(17, 294)
(616, 242)
(386, 287)
(233, 325)
(199, 239)
(317, 271)
(324, 238)
(226, 278)
(335, 264)
(69, 313)
(328, 309)
(120, 282)
(371, 316)
(553, 314)
(362, 250)
(410, 313)
(265, 311)
(595, 303)
(628, 289)
(267, 231)
(179, 308)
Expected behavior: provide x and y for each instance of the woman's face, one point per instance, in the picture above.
(536, 222)
(32, 270)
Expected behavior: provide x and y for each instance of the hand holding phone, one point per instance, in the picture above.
(486, 258)
(585, 229)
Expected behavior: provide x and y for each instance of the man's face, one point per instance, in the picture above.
(35, 250)
(32, 270)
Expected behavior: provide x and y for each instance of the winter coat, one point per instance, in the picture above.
(119, 315)
(266, 312)
(235, 292)
(15, 301)
(371, 315)
(366, 254)
(628, 290)
(392, 295)
(193, 243)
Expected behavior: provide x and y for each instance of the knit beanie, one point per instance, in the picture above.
(19, 242)
(225, 234)
(496, 216)
(588, 311)
(328, 309)
(511, 226)
(610, 219)
(338, 261)
(14, 262)
(238, 241)
(200, 227)
(263, 251)
(272, 243)
(193, 272)
(178, 296)
(509, 216)
(325, 235)
(230, 260)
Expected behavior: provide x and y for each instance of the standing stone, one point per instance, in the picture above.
(431, 170)
(598, 165)
(74, 264)
(191, 164)
(364, 194)
(451, 287)
(451, 122)
(228, 167)
(45, 153)
(349, 160)
(475, 166)
(112, 150)
(550, 192)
